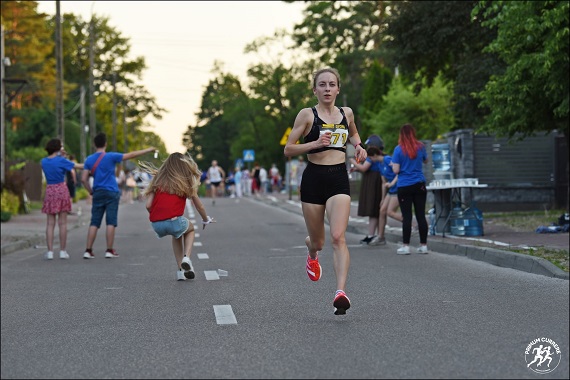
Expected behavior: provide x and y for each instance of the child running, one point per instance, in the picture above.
(175, 181)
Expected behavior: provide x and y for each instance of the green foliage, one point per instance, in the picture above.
(376, 86)
(81, 193)
(29, 153)
(532, 94)
(30, 117)
(430, 112)
(5, 216)
(441, 37)
(10, 202)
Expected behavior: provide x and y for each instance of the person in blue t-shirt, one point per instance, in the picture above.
(105, 191)
(57, 201)
(407, 161)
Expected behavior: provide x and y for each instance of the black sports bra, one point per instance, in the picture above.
(339, 132)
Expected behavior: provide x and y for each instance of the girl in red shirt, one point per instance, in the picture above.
(176, 180)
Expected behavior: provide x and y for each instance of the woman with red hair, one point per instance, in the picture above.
(407, 162)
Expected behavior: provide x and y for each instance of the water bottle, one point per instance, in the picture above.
(431, 213)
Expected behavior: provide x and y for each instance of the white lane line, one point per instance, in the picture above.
(113, 288)
(203, 256)
(224, 315)
(197, 235)
(193, 221)
(197, 244)
(211, 275)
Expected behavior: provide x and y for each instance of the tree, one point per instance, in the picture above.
(432, 37)
(212, 136)
(430, 111)
(532, 93)
(28, 44)
(376, 86)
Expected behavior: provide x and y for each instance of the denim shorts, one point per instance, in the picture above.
(174, 227)
(105, 202)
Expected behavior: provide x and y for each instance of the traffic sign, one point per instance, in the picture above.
(248, 155)
(285, 136)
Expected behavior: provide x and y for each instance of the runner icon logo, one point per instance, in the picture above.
(542, 355)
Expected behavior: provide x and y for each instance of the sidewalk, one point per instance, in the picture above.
(29, 230)
(25, 231)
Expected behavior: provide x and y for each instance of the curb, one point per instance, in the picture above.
(497, 257)
(30, 241)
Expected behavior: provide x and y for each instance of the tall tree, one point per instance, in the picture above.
(432, 37)
(29, 44)
(533, 40)
(212, 136)
(429, 111)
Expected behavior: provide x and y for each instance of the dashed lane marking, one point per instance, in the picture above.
(224, 315)
(211, 275)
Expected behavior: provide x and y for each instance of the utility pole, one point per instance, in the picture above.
(125, 142)
(82, 126)
(59, 80)
(114, 112)
(125, 129)
(91, 84)
(3, 112)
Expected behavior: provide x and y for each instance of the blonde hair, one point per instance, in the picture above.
(179, 174)
(326, 70)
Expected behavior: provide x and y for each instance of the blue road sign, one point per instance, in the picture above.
(248, 155)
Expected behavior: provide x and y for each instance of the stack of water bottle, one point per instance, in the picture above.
(464, 222)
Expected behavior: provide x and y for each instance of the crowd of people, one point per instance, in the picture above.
(321, 132)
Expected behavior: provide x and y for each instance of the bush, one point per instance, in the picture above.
(10, 202)
(5, 216)
(81, 193)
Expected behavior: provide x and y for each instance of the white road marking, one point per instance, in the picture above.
(197, 235)
(202, 256)
(224, 315)
(211, 275)
(197, 244)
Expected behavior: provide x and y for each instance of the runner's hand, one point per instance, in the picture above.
(210, 220)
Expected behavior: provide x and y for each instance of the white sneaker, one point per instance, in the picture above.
(403, 250)
(88, 255)
(63, 255)
(180, 275)
(48, 255)
(422, 249)
(188, 268)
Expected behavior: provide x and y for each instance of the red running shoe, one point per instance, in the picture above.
(341, 303)
(313, 267)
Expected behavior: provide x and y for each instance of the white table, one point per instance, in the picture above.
(445, 193)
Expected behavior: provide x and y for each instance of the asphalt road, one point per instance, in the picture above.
(416, 316)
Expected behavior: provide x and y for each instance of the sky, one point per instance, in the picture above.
(181, 40)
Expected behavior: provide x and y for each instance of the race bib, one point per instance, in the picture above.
(339, 134)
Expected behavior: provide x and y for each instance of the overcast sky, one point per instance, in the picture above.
(180, 41)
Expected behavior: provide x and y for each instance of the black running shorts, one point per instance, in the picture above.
(320, 182)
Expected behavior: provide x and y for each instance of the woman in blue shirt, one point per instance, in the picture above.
(57, 200)
(407, 162)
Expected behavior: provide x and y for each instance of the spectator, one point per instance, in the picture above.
(105, 191)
